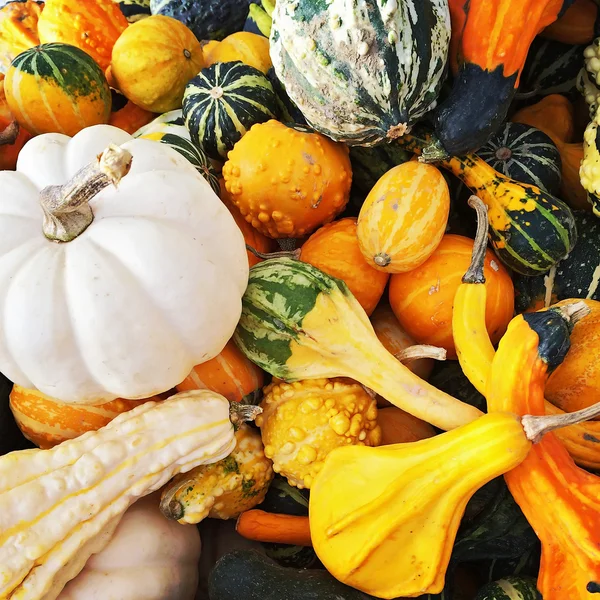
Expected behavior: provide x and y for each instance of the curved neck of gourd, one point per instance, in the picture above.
(66, 208)
(475, 273)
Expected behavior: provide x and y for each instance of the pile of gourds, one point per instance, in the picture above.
(245, 275)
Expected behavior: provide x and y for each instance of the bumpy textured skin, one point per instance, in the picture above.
(299, 323)
(92, 26)
(287, 181)
(369, 506)
(589, 172)
(302, 422)
(361, 71)
(208, 19)
(524, 154)
(57, 88)
(223, 102)
(224, 489)
(59, 506)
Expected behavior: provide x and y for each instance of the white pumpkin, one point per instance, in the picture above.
(148, 558)
(151, 288)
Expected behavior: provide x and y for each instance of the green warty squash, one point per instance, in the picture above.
(361, 71)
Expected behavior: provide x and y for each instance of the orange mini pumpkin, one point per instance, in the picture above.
(18, 29)
(254, 238)
(230, 374)
(576, 382)
(252, 49)
(334, 249)
(422, 299)
(287, 181)
(130, 117)
(404, 217)
(92, 25)
(47, 422)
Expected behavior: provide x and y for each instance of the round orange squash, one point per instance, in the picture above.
(12, 136)
(334, 249)
(92, 25)
(399, 427)
(395, 339)
(287, 181)
(18, 29)
(254, 238)
(57, 88)
(47, 422)
(576, 382)
(404, 217)
(130, 117)
(153, 60)
(250, 48)
(422, 299)
(230, 374)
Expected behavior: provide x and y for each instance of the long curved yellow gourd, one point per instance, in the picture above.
(60, 506)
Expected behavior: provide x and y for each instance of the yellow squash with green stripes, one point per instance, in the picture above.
(57, 88)
(299, 323)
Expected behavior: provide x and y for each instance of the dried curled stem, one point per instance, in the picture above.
(282, 254)
(66, 208)
(10, 133)
(420, 351)
(474, 273)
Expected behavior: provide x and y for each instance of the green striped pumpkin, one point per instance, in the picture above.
(524, 154)
(361, 71)
(511, 588)
(169, 122)
(222, 103)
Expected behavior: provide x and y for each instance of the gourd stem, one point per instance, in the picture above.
(474, 273)
(421, 351)
(574, 311)
(241, 413)
(267, 255)
(10, 134)
(536, 427)
(433, 152)
(66, 208)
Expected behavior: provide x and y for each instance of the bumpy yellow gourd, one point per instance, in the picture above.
(224, 489)
(60, 506)
(384, 520)
(302, 422)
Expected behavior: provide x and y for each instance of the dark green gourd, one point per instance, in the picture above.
(511, 588)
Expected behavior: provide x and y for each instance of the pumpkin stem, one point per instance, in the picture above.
(474, 273)
(420, 351)
(574, 312)
(241, 413)
(266, 256)
(536, 427)
(67, 212)
(433, 152)
(10, 133)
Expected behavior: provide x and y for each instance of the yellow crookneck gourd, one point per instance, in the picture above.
(60, 506)
(476, 352)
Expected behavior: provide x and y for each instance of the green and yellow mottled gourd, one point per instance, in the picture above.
(60, 506)
(360, 71)
(224, 489)
(299, 323)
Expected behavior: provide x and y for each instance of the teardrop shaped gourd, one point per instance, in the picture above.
(384, 520)
(299, 323)
(59, 506)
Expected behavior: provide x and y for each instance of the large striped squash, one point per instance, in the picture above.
(524, 154)
(57, 88)
(229, 373)
(47, 422)
(361, 71)
(223, 101)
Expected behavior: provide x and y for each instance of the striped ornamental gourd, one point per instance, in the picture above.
(510, 588)
(361, 71)
(222, 103)
(524, 154)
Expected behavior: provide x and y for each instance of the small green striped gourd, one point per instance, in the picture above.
(299, 323)
(361, 71)
(222, 103)
(511, 588)
(524, 154)
(530, 230)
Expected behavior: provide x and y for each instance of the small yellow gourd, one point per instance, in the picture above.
(224, 489)
(302, 422)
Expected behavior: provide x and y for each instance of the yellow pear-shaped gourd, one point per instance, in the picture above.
(383, 520)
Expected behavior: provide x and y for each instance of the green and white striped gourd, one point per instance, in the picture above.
(511, 588)
(222, 103)
(169, 129)
(361, 71)
(524, 154)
